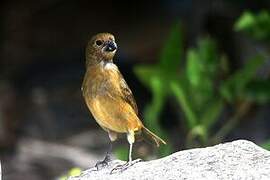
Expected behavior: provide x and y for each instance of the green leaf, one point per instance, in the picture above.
(258, 91)
(181, 96)
(245, 21)
(145, 73)
(255, 25)
(208, 52)
(172, 51)
(211, 113)
(233, 87)
(153, 110)
(193, 68)
(203, 64)
(157, 78)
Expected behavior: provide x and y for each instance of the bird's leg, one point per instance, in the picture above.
(130, 153)
(131, 140)
(107, 158)
(113, 137)
(122, 167)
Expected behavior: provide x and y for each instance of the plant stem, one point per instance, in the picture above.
(232, 122)
(185, 105)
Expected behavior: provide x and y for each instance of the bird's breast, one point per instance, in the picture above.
(101, 80)
(103, 95)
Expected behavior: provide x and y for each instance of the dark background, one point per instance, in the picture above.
(45, 127)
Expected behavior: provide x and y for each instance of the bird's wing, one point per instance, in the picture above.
(127, 95)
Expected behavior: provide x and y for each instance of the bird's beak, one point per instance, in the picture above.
(110, 46)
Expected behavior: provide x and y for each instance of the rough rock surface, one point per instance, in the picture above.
(239, 159)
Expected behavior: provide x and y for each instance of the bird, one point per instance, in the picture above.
(108, 96)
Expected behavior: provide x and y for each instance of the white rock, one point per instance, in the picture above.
(239, 159)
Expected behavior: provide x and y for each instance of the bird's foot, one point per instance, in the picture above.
(123, 167)
(101, 164)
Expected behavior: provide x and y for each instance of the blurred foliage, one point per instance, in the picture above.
(258, 91)
(121, 153)
(202, 86)
(255, 25)
(235, 85)
(157, 78)
(72, 172)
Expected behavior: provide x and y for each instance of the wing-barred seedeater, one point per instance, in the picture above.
(108, 96)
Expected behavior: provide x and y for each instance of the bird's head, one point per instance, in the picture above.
(101, 47)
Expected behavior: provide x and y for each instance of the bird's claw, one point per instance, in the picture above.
(103, 163)
(123, 167)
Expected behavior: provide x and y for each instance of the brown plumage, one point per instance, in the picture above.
(107, 94)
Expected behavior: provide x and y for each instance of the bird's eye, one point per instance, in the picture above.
(98, 42)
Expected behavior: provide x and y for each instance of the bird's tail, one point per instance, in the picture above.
(151, 136)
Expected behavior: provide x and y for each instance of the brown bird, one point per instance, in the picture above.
(108, 96)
